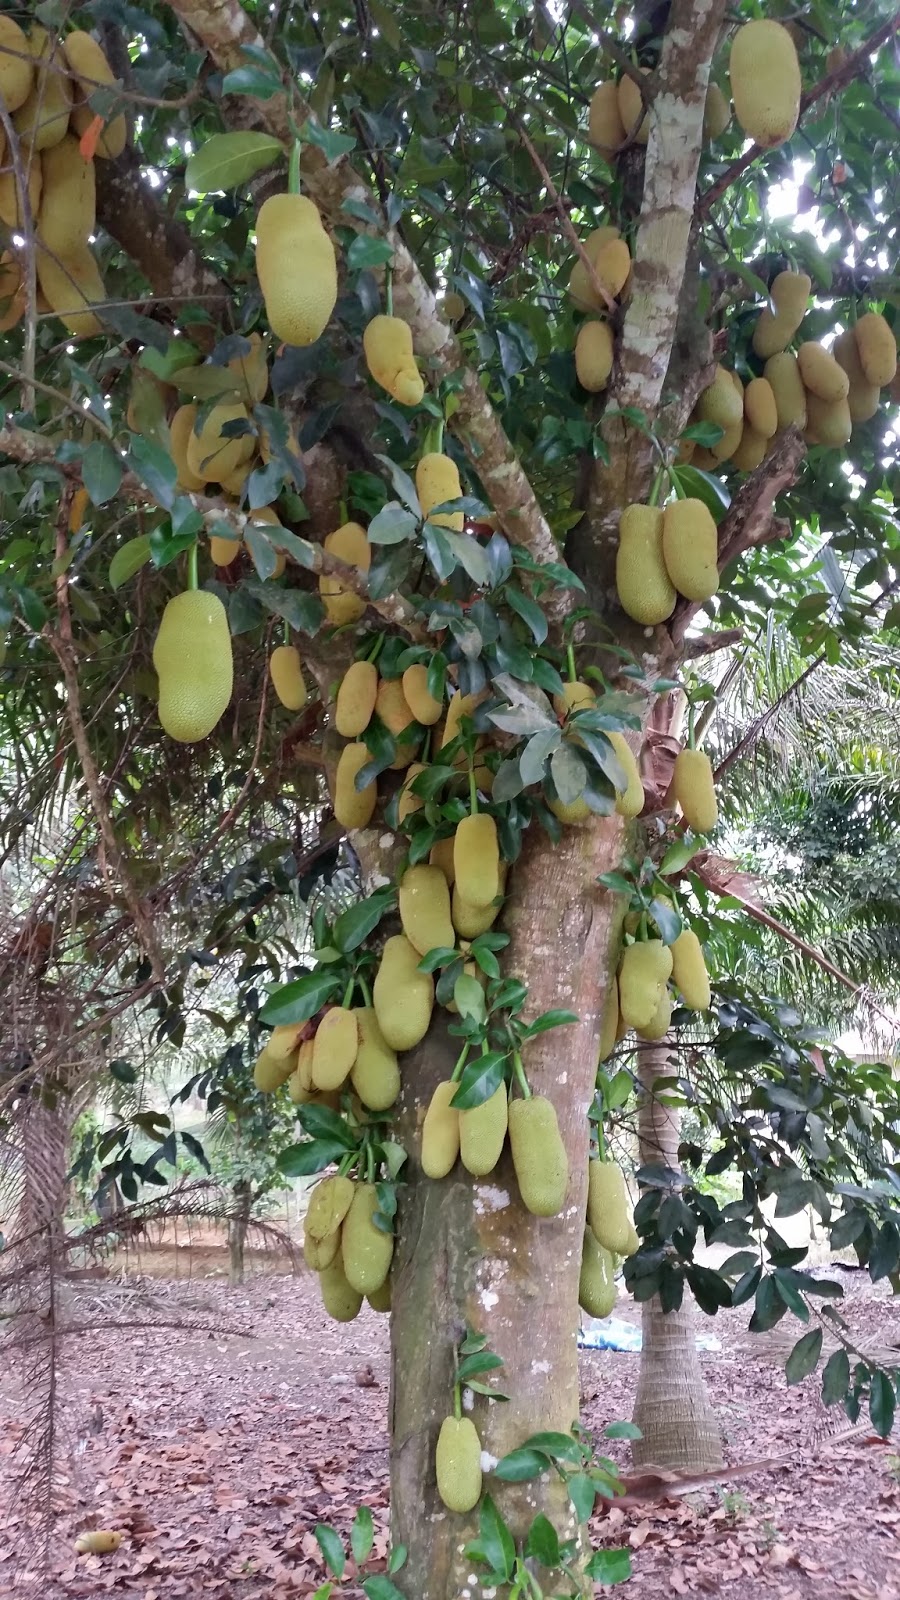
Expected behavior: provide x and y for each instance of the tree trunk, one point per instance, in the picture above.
(672, 1408)
(238, 1223)
(468, 1252)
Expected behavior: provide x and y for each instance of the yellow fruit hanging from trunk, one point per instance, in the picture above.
(68, 204)
(822, 375)
(422, 703)
(765, 82)
(605, 130)
(538, 1155)
(41, 120)
(597, 1281)
(425, 909)
(348, 543)
(388, 349)
(689, 970)
(90, 71)
(630, 800)
(366, 1250)
(877, 348)
(340, 1299)
(645, 590)
(482, 1133)
(690, 547)
(437, 480)
(760, 408)
(783, 375)
(457, 1464)
(828, 422)
(335, 1045)
(440, 1132)
(608, 1207)
(356, 699)
(403, 997)
(329, 1201)
(212, 453)
(375, 1074)
(71, 286)
(630, 105)
(644, 971)
(16, 64)
(863, 397)
(353, 807)
(193, 661)
(476, 860)
(286, 672)
(296, 267)
(695, 791)
(716, 113)
(594, 355)
(774, 330)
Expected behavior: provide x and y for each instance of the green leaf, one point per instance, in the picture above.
(101, 472)
(558, 1446)
(320, 1122)
(362, 1535)
(622, 1430)
(835, 1377)
(548, 1020)
(324, 1590)
(542, 1543)
(609, 1566)
(480, 1079)
(331, 1548)
(790, 1294)
(332, 144)
(469, 998)
(804, 1358)
(568, 772)
(301, 999)
(480, 1361)
(302, 1160)
(666, 918)
(226, 160)
(155, 468)
(882, 1403)
(520, 1465)
(397, 1557)
(529, 611)
(128, 560)
(677, 856)
(496, 1539)
(392, 524)
(378, 1587)
(367, 252)
(354, 925)
(582, 1494)
(252, 80)
(123, 1070)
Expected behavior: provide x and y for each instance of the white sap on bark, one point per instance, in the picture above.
(672, 1407)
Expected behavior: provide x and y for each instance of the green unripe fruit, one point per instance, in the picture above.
(608, 1207)
(643, 974)
(783, 375)
(403, 997)
(366, 1251)
(789, 293)
(659, 1023)
(375, 1074)
(335, 1046)
(609, 1022)
(716, 113)
(457, 1464)
(296, 268)
(644, 587)
(877, 349)
(689, 970)
(575, 814)
(193, 661)
(329, 1202)
(765, 82)
(356, 699)
(353, 807)
(597, 1284)
(320, 1253)
(437, 480)
(425, 909)
(380, 1299)
(690, 548)
(538, 1155)
(476, 860)
(339, 1298)
(695, 791)
(630, 801)
(482, 1132)
(440, 1133)
(388, 349)
(418, 697)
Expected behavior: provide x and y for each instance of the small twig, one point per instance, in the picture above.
(708, 643)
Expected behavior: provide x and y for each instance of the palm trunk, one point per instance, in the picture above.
(238, 1223)
(672, 1408)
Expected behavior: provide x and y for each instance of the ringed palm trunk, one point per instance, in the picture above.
(238, 1223)
(672, 1408)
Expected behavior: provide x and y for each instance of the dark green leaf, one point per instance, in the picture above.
(226, 160)
(254, 81)
(520, 1465)
(609, 1566)
(481, 1361)
(882, 1403)
(155, 468)
(301, 999)
(101, 472)
(835, 1377)
(804, 1358)
(128, 560)
(366, 252)
(479, 1080)
(302, 1160)
(622, 1430)
(332, 1549)
(542, 1542)
(582, 1494)
(378, 1587)
(353, 926)
(496, 1539)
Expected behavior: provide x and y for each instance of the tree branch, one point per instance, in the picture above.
(162, 248)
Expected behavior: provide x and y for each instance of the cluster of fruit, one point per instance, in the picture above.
(46, 83)
(664, 553)
(343, 1243)
(609, 1233)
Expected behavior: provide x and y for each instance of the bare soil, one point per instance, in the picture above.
(215, 1428)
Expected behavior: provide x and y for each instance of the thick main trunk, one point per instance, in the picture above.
(672, 1408)
(467, 1250)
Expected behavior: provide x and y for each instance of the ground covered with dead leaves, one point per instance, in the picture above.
(218, 1439)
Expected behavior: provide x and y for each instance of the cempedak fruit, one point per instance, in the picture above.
(597, 1282)
(482, 1132)
(658, 1026)
(91, 70)
(605, 130)
(98, 1541)
(193, 661)
(644, 587)
(576, 696)
(695, 791)
(716, 113)
(476, 860)
(440, 1132)
(68, 203)
(271, 1071)
(441, 855)
(750, 450)
(356, 699)
(10, 200)
(425, 909)
(608, 1207)
(41, 120)
(877, 348)
(380, 1299)
(424, 707)
(353, 807)
(320, 1253)
(388, 349)
(457, 1464)
(12, 292)
(286, 672)
(822, 375)
(391, 707)
(212, 453)
(350, 544)
(296, 267)
(594, 354)
(538, 1155)
(329, 1201)
(863, 397)
(783, 374)
(375, 1074)
(403, 997)
(611, 260)
(789, 293)
(181, 428)
(828, 422)
(408, 801)
(644, 971)
(16, 66)
(437, 480)
(689, 970)
(339, 1298)
(630, 104)
(630, 801)
(765, 82)
(690, 547)
(366, 1250)
(71, 287)
(468, 920)
(760, 407)
(334, 1048)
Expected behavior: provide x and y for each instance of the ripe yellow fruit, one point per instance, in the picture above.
(608, 1207)
(689, 971)
(576, 696)
(720, 403)
(71, 287)
(284, 1040)
(457, 1464)
(694, 789)
(271, 1071)
(286, 672)
(630, 103)
(388, 349)
(476, 860)
(716, 113)
(644, 587)
(612, 265)
(597, 1283)
(320, 1253)
(16, 67)
(822, 375)
(193, 661)
(212, 454)
(750, 450)
(12, 291)
(482, 1132)
(408, 801)
(181, 429)
(353, 807)
(630, 801)
(335, 1046)
(41, 120)
(10, 202)
(594, 355)
(828, 422)
(765, 82)
(605, 130)
(356, 699)
(329, 1202)
(437, 480)
(760, 408)
(690, 548)
(574, 814)
(391, 706)
(340, 1299)
(538, 1155)
(609, 1022)
(375, 1074)
(441, 855)
(468, 920)
(98, 1542)
(644, 971)
(877, 349)
(658, 1026)
(424, 707)
(863, 397)
(90, 68)
(461, 705)
(366, 1251)
(296, 267)
(301, 1078)
(580, 287)
(789, 293)
(440, 1132)
(783, 375)
(68, 206)
(425, 909)
(403, 997)
(348, 543)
